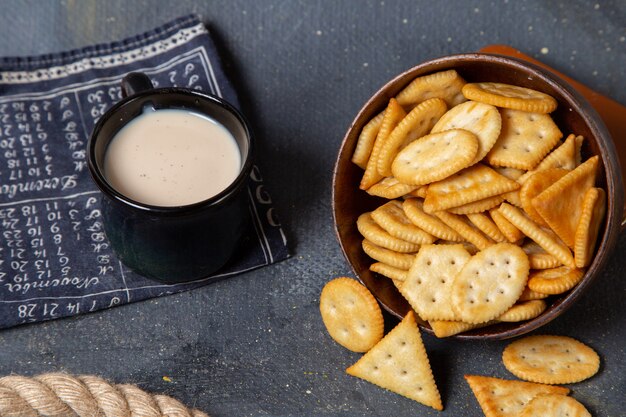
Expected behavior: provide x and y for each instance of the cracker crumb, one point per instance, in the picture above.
(318, 33)
(544, 50)
(596, 6)
(405, 21)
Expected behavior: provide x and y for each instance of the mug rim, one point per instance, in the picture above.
(107, 189)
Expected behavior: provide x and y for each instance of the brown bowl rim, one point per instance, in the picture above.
(602, 138)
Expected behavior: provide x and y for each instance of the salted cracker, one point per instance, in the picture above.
(351, 314)
(469, 185)
(413, 126)
(554, 405)
(429, 280)
(443, 84)
(506, 398)
(478, 206)
(399, 363)
(561, 204)
(386, 256)
(593, 211)
(510, 97)
(379, 236)
(512, 233)
(447, 328)
(413, 208)
(434, 157)
(524, 140)
(390, 216)
(390, 188)
(490, 283)
(529, 294)
(554, 280)
(485, 224)
(392, 272)
(524, 310)
(466, 229)
(535, 185)
(550, 359)
(365, 142)
(483, 120)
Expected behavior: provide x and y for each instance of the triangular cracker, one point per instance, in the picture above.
(561, 204)
(471, 184)
(399, 363)
(594, 209)
(505, 398)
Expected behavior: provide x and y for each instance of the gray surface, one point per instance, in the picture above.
(254, 345)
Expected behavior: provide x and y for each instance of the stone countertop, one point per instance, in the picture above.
(255, 345)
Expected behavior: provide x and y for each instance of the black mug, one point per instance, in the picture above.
(180, 243)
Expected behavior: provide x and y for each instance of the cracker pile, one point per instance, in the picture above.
(489, 212)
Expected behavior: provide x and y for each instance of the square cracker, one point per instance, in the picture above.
(471, 184)
(524, 140)
(561, 204)
(399, 363)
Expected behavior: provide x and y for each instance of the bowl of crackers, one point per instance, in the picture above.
(479, 191)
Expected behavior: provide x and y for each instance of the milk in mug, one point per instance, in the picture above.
(172, 158)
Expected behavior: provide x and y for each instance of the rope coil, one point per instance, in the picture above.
(63, 395)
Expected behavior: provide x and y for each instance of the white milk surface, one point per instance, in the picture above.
(172, 157)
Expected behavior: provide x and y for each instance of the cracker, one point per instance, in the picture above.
(392, 116)
(534, 185)
(379, 236)
(413, 208)
(528, 295)
(365, 143)
(351, 314)
(513, 198)
(525, 139)
(510, 97)
(524, 310)
(512, 173)
(490, 283)
(471, 184)
(389, 271)
(399, 363)
(484, 223)
(447, 328)
(413, 126)
(481, 119)
(550, 359)
(506, 398)
(390, 216)
(430, 278)
(390, 188)
(554, 280)
(593, 211)
(563, 156)
(543, 261)
(560, 205)
(478, 206)
(435, 156)
(386, 256)
(512, 233)
(533, 231)
(547, 405)
(464, 228)
(444, 84)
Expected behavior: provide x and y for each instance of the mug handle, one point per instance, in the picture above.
(135, 82)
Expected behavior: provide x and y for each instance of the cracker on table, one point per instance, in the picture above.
(399, 363)
(550, 359)
(389, 257)
(413, 126)
(379, 236)
(560, 205)
(469, 185)
(435, 156)
(490, 283)
(429, 280)
(524, 310)
(524, 140)
(413, 208)
(392, 272)
(365, 142)
(542, 237)
(506, 398)
(392, 116)
(548, 405)
(534, 185)
(483, 120)
(443, 84)
(593, 211)
(390, 216)
(510, 97)
(390, 188)
(351, 314)
(554, 280)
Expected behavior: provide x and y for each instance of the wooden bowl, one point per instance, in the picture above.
(573, 115)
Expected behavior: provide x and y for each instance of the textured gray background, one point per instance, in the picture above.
(254, 345)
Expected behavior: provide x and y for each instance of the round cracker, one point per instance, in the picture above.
(351, 314)
(550, 359)
(386, 256)
(510, 97)
(435, 157)
(390, 216)
(554, 405)
(379, 236)
(554, 280)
